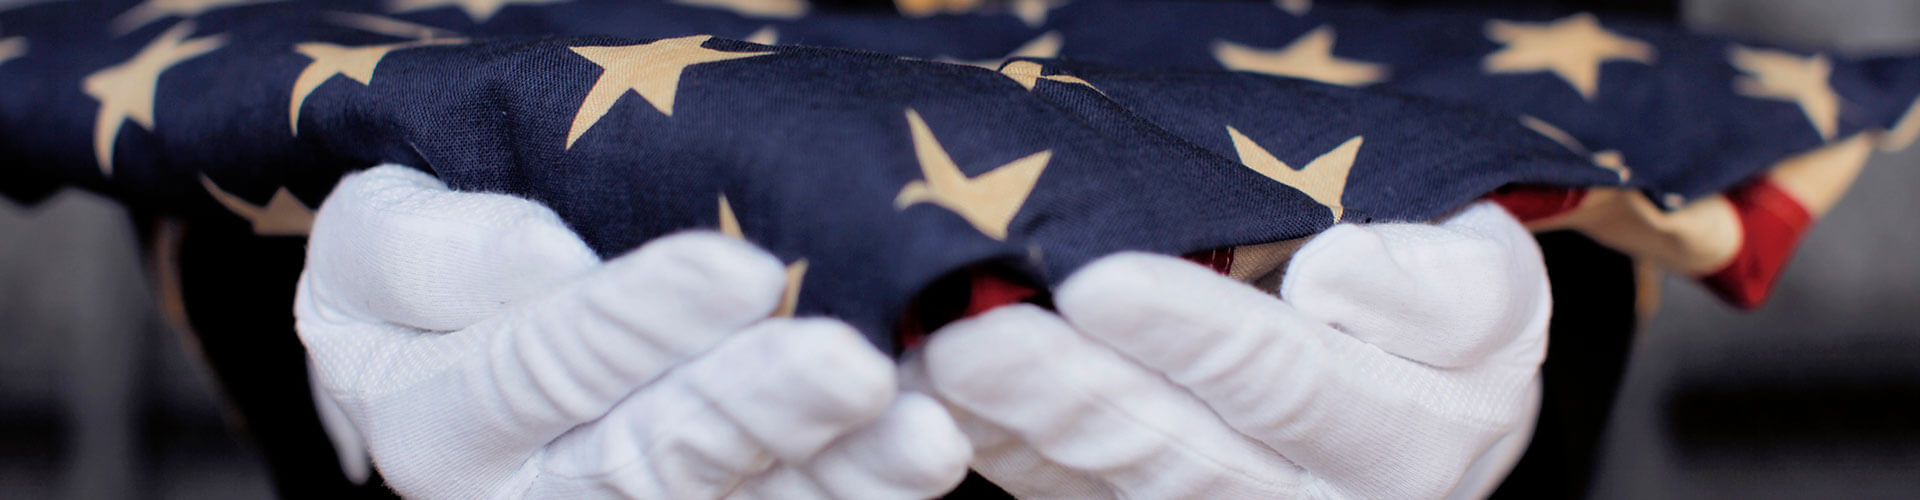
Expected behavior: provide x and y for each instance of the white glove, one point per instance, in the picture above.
(483, 352)
(1401, 361)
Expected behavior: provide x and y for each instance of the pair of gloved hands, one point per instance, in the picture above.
(477, 349)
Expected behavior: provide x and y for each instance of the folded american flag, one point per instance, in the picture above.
(863, 147)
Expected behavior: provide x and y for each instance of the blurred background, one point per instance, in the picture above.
(1809, 396)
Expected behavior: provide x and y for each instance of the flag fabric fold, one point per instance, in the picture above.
(860, 147)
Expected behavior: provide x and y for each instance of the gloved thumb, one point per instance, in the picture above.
(393, 244)
(1445, 294)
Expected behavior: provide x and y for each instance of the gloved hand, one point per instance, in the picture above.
(1400, 361)
(483, 352)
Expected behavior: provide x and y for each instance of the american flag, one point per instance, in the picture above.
(956, 154)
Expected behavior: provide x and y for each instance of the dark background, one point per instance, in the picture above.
(1811, 396)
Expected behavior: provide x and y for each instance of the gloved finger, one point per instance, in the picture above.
(394, 244)
(566, 358)
(780, 390)
(913, 451)
(1340, 408)
(1486, 472)
(1023, 472)
(1447, 294)
(814, 380)
(349, 445)
(1085, 408)
(782, 482)
(664, 441)
(1000, 456)
(482, 399)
